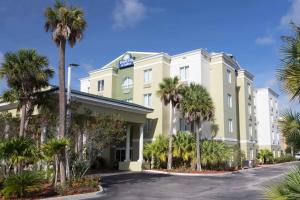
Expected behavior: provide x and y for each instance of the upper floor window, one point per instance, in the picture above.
(250, 131)
(229, 100)
(148, 100)
(148, 76)
(249, 89)
(183, 125)
(184, 73)
(228, 74)
(100, 85)
(249, 109)
(230, 125)
(127, 83)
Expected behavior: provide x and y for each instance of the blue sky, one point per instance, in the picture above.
(250, 30)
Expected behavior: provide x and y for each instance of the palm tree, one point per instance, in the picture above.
(289, 125)
(26, 73)
(157, 151)
(289, 73)
(289, 188)
(18, 151)
(66, 25)
(169, 94)
(53, 150)
(265, 155)
(197, 106)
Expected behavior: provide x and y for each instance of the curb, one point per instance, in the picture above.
(216, 174)
(184, 174)
(78, 196)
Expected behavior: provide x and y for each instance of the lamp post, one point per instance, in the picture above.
(69, 81)
(69, 114)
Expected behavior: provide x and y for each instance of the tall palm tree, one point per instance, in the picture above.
(169, 94)
(26, 73)
(197, 106)
(289, 73)
(66, 25)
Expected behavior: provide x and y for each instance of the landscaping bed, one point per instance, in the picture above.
(80, 186)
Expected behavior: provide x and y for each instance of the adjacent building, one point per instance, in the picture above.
(267, 114)
(135, 77)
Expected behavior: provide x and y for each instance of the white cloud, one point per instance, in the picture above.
(292, 15)
(265, 40)
(128, 13)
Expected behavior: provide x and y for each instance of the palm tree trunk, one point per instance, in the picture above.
(170, 140)
(62, 106)
(22, 121)
(198, 146)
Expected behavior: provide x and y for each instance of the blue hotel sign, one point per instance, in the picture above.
(126, 61)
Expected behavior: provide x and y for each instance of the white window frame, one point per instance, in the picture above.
(185, 75)
(148, 76)
(148, 100)
(249, 88)
(229, 100)
(250, 131)
(228, 74)
(230, 125)
(249, 109)
(127, 83)
(100, 85)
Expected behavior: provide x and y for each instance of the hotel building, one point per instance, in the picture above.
(267, 115)
(135, 77)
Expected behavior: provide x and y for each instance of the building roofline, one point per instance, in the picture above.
(130, 52)
(247, 73)
(107, 99)
(270, 90)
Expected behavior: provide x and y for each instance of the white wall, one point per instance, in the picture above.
(84, 85)
(264, 114)
(198, 73)
(198, 67)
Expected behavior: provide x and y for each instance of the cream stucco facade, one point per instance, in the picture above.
(230, 87)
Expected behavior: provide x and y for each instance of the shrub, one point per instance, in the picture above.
(283, 159)
(19, 185)
(184, 148)
(79, 168)
(156, 151)
(265, 156)
(214, 154)
(289, 188)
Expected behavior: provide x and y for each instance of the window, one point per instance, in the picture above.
(249, 89)
(249, 109)
(251, 154)
(229, 100)
(250, 132)
(148, 76)
(147, 100)
(230, 126)
(228, 76)
(183, 125)
(100, 85)
(127, 83)
(184, 73)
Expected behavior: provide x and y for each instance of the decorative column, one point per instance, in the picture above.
(127, 153)
(141, 143)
